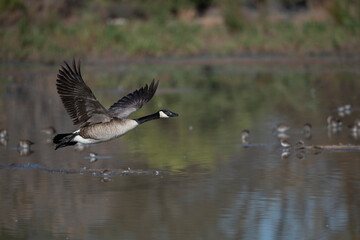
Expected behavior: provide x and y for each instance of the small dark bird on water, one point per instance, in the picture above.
(353, 128)
(285, 155)
(300, 144)
(334, 123)
(281, 128)
(357, 123)
(3, 141)
(98, 124)
(93, 157)
(3, 137)
(25, 144)
(307, 130)
(24, 151)
(3, 133)
(245, 136)
(284, 143)
(49, 130)
(307, 127)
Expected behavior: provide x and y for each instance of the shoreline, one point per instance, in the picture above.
(249, 59)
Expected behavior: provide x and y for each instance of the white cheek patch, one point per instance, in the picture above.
(163, 115)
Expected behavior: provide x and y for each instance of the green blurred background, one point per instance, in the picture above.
(46, 30)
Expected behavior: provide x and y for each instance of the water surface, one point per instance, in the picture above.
(198, 181)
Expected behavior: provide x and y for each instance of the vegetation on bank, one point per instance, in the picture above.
(112, 29)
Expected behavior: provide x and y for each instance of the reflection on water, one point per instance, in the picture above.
(200, 179)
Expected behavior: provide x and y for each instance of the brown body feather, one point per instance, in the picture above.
(109, 130)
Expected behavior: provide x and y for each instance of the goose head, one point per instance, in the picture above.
(164, 113)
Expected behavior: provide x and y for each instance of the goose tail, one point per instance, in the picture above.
(64, 140)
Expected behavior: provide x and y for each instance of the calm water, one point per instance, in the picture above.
(208, 185)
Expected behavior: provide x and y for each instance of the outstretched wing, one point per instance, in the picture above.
(79, 101)
(133, 101)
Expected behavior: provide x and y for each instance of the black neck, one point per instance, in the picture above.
(147, 118)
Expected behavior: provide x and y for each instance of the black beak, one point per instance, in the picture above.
(172, 114)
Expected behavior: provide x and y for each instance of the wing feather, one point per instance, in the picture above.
(133, 101)
(78, 99)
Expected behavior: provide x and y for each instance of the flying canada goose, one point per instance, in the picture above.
(96, 123)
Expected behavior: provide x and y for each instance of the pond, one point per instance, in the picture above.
(189, 177)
